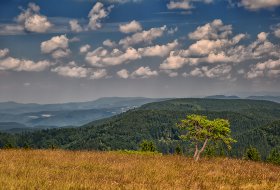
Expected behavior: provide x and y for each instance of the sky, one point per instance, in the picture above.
(79, 50)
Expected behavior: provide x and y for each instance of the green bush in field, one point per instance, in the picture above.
(252, 154)
(148, 146)
(178, 150)
(274, 156)
(8, 146)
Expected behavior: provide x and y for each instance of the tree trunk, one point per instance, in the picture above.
(201, 150)
(196, 151)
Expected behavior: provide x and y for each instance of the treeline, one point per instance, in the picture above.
(253, 123)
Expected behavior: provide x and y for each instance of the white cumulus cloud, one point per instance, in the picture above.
(123, 73)
(75, 26)
(214, 30)
(60, 53)
(131, 27)
(219, 71)
(85, 48)
(158, 50)
(144, 72)
(109, 43)
(54, 43)
(4, 52)
(173, 62)
(70, 71)
(97, 13)
(184, 4)
(31, 19)
(99, 74)
(276, 30)
(14, 64)
(57, 46)
(102, 57)
(269, 68)
(123, 1)
(259, 4)
(146, 36)
(262, 36)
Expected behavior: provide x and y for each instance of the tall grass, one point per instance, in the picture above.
(46, 169)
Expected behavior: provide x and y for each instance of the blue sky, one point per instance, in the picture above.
(78, 50)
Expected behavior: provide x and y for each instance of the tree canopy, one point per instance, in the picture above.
(200, 131)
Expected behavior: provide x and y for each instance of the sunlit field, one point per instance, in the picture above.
(47, 169)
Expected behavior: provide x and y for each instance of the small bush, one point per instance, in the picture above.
(147, 146)
(26, 146)
(252, 154)
(8, 146)
(178, 150)
(274, 156)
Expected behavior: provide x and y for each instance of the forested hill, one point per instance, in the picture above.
(197, 104)
(252, 123)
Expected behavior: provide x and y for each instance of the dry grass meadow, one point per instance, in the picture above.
(47, 169)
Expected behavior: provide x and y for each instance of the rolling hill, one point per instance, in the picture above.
(222, 97)
(268, 98)
(10, 125)
(250, 121)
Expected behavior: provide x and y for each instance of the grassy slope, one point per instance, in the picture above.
(45, 169)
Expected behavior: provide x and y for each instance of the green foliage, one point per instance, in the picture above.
(210, 151)
(7, 140)
(200, 130)
(252, 153)
(26, 146)
(138, 152)
(265, 138)
(274, 156)
(147, 146)
(8, 146)
(178, 150)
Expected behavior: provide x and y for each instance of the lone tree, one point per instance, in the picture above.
(200, 131)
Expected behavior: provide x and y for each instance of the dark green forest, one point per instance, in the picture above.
(253, 123)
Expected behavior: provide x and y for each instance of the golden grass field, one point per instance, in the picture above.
(57, 169)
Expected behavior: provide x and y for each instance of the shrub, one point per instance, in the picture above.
(252, 154)
(274, 156)
(147, 146)
(8, 146)
(178, 150)
(26, 146)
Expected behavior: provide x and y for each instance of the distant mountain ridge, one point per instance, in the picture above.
(222, 97)
(10, 125)
(17, 108)
(67, 114)
(79, 113)
(267, 98)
